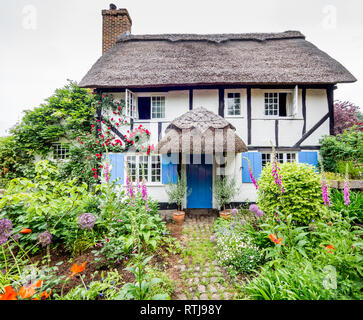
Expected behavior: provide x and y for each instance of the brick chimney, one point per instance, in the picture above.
(115, 22)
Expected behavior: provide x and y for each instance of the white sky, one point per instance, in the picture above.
(44, 43)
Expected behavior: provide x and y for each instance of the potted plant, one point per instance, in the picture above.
(176, 193)
(224, 190)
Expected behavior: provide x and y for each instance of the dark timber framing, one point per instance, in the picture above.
(316, 126)
(330, 96)
(221, 102)
(249, 117)
(277, 132)
(159, 130)
(304, 109)
(190, 99)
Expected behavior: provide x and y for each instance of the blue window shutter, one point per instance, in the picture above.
(169, 168)
(309, 157)
(117, 170)
(255, 159)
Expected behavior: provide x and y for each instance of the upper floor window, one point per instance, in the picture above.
(278, 104)
(147, 168)
(233, 104)
(60, 151)
(130, 104)
(157, 107)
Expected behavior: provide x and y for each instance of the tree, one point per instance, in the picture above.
(345, 116)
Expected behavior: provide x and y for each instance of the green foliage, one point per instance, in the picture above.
(302, 197)
(350, 169)
(235, 248)
(355, 208)
(141, 288)
(224, 190)
(176, 192)
(347, 146)
(106, 289)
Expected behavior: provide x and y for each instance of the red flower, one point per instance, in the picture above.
(93, 126)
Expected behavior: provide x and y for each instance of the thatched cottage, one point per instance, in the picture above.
(209, 99)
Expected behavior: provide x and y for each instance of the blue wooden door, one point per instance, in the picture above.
(199, 179)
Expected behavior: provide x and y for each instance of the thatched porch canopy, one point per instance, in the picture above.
(200, 131)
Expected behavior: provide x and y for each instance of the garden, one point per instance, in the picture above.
(67, 232)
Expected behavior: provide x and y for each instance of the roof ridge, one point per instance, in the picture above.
(213, 37)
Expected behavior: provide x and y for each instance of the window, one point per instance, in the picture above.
(130, 104)
(60, 151)
(266, 158)
(278, 104)
(282, 157)
(146, 168)
(233, 104)
(158, 107)
(155, 169)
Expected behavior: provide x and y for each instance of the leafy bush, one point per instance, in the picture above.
(235, 249)
(176, 192)
(347, 146)
(355, 208)
(302, 197)
(224, 190)
(351, 169)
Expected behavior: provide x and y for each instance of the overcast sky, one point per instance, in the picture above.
(45, 42)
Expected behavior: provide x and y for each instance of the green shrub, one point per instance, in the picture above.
(224, 190)
(302, 197)
(355, 208)
(347, 146)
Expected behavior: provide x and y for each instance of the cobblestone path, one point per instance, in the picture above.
(201, 278)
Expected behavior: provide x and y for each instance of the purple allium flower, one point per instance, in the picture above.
(45, 238)
(259, 213)
(213, 238)
(234, 211)
(243, 221)
(254, 208)
(6, 227)
(86, 221)
(346, 194)
(324, 192)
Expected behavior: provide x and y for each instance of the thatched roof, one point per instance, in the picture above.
(200, 131)
(193, 59)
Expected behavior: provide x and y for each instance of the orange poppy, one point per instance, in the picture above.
(25, 231)
(28, 291)
(77, 268)
(274, 239)
(45, 295)
(328, 247)
(9, 294)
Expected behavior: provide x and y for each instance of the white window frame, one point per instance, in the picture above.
(149, 168)
(291, 103)
(60, 146)
(284, 156)
(130, 104)
(226, 104)
(151, 106)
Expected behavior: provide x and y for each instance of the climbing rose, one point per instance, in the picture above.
(45, 238)
(86, 221)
